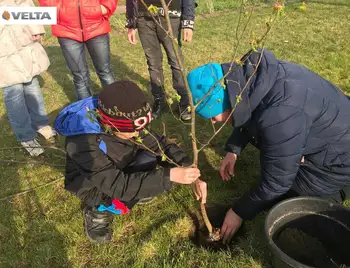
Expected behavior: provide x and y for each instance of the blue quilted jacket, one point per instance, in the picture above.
(287, 112)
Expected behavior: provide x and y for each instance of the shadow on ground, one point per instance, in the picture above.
(29, 235)
(62, 75)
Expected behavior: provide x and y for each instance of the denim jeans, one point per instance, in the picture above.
(25, 109)
(74, 53)
(152, 36)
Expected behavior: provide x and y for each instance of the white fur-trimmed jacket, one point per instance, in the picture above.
(21, 58)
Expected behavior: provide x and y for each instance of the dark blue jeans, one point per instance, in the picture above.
(74, 53)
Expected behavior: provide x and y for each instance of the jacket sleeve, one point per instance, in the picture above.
(105, 176)
(237, 141)
(111, 6)
(188, 13)
(172, 150)
(281, 148)
(48, 3)
(131, 14)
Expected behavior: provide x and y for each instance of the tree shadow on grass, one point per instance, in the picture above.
(28, 235)
(123, 72)
(62, 74)
(43, 244)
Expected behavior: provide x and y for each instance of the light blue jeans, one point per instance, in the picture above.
(25, 109)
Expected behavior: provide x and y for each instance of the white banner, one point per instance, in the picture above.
(28, 15)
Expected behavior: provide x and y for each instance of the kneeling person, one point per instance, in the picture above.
(113, 162)
(298, 120)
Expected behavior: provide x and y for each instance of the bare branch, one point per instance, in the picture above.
(31, 190)
(11, 161)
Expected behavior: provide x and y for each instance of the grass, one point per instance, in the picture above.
(44, 228)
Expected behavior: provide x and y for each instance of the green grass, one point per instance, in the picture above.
(44, 228)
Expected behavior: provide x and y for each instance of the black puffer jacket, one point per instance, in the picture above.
(187, 12)
(288, 112)
(100, 163)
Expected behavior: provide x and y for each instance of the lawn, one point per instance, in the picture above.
(44, 228)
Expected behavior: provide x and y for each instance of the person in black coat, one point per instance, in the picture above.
(298, 120)
(154, 36)
(113, 160)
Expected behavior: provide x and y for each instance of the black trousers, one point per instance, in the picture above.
(338, 197)
(152, 38)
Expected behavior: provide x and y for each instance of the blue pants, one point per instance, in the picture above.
(25, 109)
(74, 53)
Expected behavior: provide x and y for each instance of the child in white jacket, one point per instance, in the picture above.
(22, 59)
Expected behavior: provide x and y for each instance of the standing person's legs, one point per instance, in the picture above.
(74, 53)
(178, 82)
(18, 113)
(35, 103)
(147, 30)
(99, 50)
(36, 107)
(20, 119)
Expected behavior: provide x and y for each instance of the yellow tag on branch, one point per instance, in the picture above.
(152, 9)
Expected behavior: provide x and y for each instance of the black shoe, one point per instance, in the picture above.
(185, 114)
(97, 225)
(159, 105)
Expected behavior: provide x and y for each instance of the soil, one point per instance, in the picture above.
(304, 248)
(216, 214)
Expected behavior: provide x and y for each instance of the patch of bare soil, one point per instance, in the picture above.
(305, 248)
(216, 214)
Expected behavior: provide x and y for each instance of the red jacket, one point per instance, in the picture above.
(81, 20)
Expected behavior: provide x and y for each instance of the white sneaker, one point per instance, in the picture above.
(33, 147)
(47, 132)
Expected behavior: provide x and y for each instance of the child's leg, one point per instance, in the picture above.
(99, 50)
(178, 82)
(147, 30)
(35, 103)
(74, 53)
(18, 113)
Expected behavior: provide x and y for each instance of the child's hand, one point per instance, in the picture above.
(132, 36)
(188, 33)
(37, 38)
(104, 10)
(184, 175)
(200, 191)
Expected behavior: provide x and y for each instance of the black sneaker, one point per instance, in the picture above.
(185, 114)
(97, 225)
(159, 105)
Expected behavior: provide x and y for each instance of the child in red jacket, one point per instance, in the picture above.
(83, 23)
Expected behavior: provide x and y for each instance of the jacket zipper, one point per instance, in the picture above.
(81, 23)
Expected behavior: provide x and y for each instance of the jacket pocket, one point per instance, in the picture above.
(92, 12)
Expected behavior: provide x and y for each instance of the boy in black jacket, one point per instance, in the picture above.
(107, 167)
(152, 36)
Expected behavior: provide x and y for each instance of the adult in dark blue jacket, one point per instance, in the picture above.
(299, 121)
